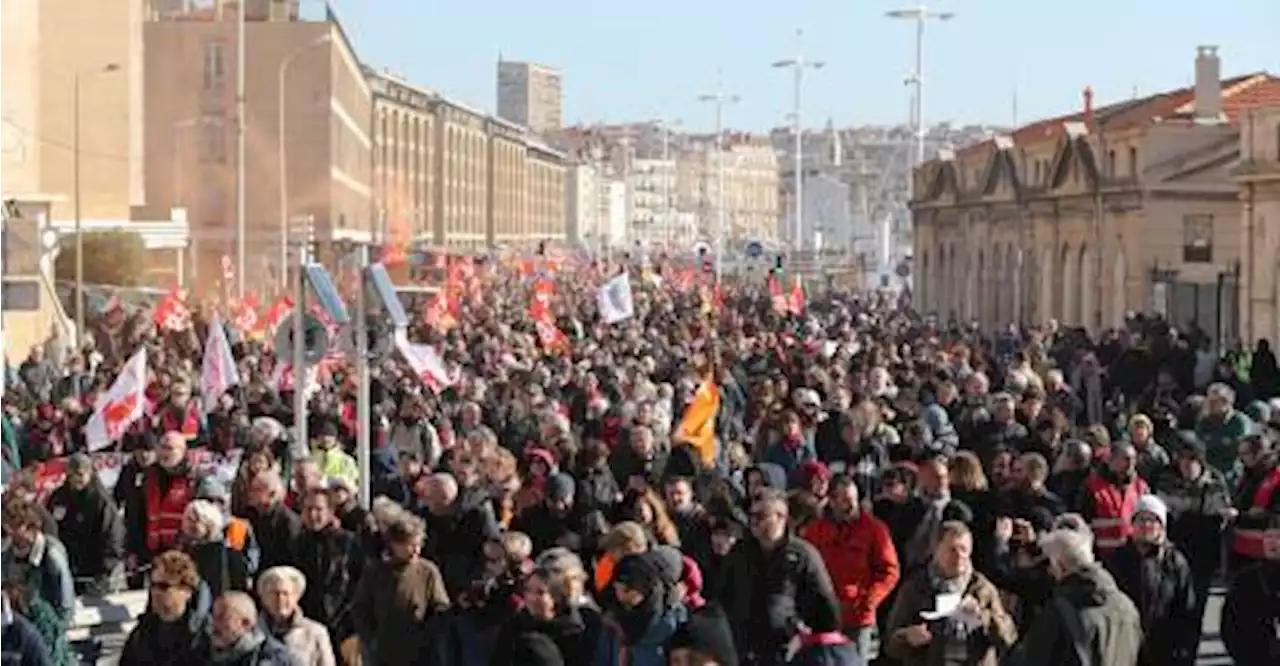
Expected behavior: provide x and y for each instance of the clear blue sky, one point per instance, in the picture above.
(635, 60)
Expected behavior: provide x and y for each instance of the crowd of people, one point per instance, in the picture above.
(881, 488)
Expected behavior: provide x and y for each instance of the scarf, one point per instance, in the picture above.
(251, 640)
(941, 584)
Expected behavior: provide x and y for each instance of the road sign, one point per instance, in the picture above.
(20, 295)
(754, 249)
(327, 293)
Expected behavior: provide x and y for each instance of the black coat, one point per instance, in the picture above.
(767, 594)
(221, 568)
(276, 529)
(1159, 583)
(1249, 614)
(455, 541)
(156, 643)
(332, 560)
(90, 528)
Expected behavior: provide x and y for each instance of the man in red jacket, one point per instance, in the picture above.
(859, 554)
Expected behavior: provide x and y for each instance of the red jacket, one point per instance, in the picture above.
(862, 561)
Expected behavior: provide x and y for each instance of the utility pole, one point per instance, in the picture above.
(798, 64)
(241, 277)
(78, 193)
(719, 98)
(920, 14)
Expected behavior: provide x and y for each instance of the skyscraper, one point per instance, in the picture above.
(531, 95)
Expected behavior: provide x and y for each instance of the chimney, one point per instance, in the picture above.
(1088, 106)
(1208, 91)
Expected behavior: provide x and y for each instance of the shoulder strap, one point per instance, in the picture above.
(1075, 628)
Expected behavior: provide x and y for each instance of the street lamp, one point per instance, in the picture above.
(798, 64)
(921, 14)
(75, 144)
(719, 98)
(282, 77)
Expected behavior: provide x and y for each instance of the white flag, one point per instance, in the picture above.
(615, 300)
(426, 364)
(218, 372)
(120, 406)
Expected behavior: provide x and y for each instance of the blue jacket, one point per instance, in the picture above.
(651, 648)
(788, 458)
(22, 643)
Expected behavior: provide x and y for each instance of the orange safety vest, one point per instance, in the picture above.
(1254, 542)
(237, 534)
(1112, 509)
(164, 510)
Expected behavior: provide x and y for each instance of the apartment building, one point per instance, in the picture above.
(509, 184)
(750, 177)
(404, 157)
(457, 176)
(546, 186)
(530, 95)
(307, 134)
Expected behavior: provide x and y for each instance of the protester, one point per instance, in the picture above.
(174, 629)
(556, 486)
(280, 589)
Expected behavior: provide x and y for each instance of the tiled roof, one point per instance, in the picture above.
(1239, 94)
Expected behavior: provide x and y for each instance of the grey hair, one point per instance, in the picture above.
(386, 510)
(1072, 549)
(208, 514)
(282, 574)
(561, 568)
(242, 603)
(267, 427)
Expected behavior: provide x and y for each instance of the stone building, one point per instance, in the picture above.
(1086, 217)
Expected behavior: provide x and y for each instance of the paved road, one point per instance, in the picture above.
(111, 623)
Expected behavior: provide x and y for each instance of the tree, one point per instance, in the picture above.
(115, 258)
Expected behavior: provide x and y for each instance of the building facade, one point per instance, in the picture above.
(67, 53)
(404, 156)
(530, 95)
(460, 177)
(309, 150)
(546, 204)
(751, 184)
(1258, 177)
(509, 185)
(1086, 217)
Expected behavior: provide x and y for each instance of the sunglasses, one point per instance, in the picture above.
(164, 586)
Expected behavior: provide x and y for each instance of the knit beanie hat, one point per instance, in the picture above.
(1152, 505)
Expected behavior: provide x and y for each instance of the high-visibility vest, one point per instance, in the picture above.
(237, 533)
(1260, 543)
(189, 425)
(164, 510)
(1112, 509)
